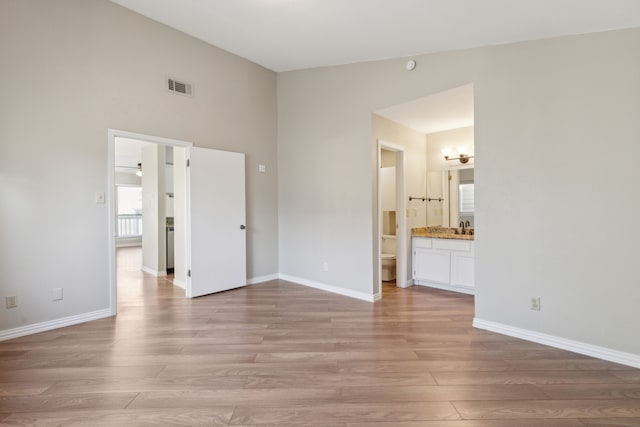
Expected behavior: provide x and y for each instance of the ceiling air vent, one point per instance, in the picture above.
(182, 88)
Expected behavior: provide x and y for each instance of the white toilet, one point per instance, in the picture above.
(388, 257)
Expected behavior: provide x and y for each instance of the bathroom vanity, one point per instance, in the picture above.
(443, 260)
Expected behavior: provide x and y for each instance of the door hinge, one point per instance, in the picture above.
(188, 273)
(188, 163)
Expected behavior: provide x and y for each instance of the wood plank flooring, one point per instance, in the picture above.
(279, 354)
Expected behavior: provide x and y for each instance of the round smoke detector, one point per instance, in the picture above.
(411, 64)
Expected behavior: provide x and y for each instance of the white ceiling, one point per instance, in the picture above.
(451, 109)
(285, 35)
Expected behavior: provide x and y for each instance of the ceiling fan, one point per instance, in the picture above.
(138, 169)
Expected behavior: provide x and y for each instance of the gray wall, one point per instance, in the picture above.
(74, 68)
(545, 112)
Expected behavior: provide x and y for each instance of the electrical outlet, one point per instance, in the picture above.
(325, 266)
(12, 301)
(56, 294)
(535, 303)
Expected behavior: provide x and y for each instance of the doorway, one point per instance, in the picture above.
(164, 205)
(208, 202)
(392, 225)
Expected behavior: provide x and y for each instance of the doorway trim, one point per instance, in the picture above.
(401, 220)
(112, 134)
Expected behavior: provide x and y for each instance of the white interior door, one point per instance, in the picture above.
(216, 255)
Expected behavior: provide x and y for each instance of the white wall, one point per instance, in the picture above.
(78, 68)
(127, 179)
(180, 216)
(153, 210)
(545, 112)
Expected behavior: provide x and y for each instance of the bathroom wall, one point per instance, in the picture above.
(438, 189)
(388, 158)
(388, 198)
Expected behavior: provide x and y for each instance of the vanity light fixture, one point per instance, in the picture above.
(464, 158)
(139, 171)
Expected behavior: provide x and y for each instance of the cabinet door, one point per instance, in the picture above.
(431, 265)
(462, 269)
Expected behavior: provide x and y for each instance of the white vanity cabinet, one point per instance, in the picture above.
(444, 264)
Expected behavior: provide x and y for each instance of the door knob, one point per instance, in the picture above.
(242, 227)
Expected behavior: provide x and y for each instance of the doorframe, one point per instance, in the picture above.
(112, 134)
(401, 220)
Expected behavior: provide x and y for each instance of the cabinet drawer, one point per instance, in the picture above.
(422, 242)
(452, 245)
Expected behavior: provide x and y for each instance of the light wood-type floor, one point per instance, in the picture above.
(280, 354)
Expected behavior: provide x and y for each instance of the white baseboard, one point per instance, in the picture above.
(377, 296)
(329, 288)
(262, 279)
(615, 356)
(153, 272)
(179, 284)
(452, 288)
(54, 324)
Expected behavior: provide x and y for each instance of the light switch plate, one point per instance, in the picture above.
(99, 197)
(262, 168)
(56, 294)
(535, 304)
(11, 301)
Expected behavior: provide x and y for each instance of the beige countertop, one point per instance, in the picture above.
(441, 233)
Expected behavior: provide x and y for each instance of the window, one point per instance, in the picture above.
(466, 203)
(129, 211)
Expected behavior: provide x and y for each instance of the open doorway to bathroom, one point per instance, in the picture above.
(388, 214)
(392, 225)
